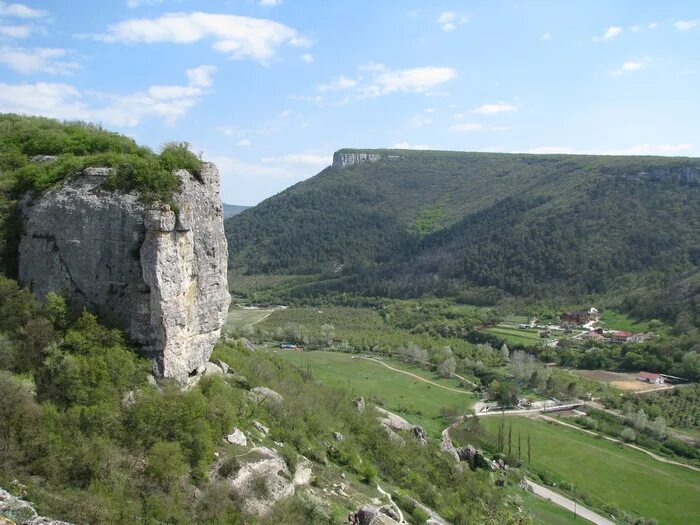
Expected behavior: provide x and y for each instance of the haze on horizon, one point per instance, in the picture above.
(268, 89)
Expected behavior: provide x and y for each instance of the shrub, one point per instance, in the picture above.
(628, 435)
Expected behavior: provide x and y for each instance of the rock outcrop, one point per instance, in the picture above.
(157, 273)
(15, 510)
(343, 159)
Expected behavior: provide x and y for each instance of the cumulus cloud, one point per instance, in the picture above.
(631, 65)
(20, 11)
(15, 31)
(449, 20)
(64, 101)
(239, 37)
(609, 34)
(638, 149)
(418, 80)
(307, 57)
(493, 109)
(243, 143)
(37, 60)
(476, 126)
(270, 3)
(201, 76)
(342, 82)
(686, 25)
(311, 159)
(406, 145)
(546, 37)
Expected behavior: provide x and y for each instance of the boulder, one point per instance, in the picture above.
(367, 515)
(14, 510)
(223, 365)
(262, 428)
(338, 436)
(262, 393)
(247, 344)
(420, 434)
(265, 479)
(359, 404)
(212, 369)
(236, 437)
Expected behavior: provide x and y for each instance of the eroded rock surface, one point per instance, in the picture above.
(158, 274)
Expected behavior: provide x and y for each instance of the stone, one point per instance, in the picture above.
(359, 404)
(420, 434)
(156, 273)
(247, 344)
(41, 159)
(14, 510)
(262, 393)
(338, 436)
(223, 365)
(212, 369)
(236, 437)
(367, 515)
(262, 428)
(266, 467)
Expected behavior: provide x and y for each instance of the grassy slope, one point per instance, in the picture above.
(546, 513)
(611, 473)
(415, 400)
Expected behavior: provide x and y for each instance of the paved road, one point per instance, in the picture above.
(568, 504)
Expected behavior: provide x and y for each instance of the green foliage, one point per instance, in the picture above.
(75, 146)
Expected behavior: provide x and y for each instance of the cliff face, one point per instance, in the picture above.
(157, 274)
(343, 159)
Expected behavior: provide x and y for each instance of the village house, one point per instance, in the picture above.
(628, 337)
(579, 317)
(648, 377)
(593, 335)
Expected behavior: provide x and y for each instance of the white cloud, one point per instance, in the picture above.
(342, 82)
(133, 4)
(307, 57)
(653, 25)
(270, 3)
(372, 66)
(635, 29)
(15, 31)
(476, 126)
(20, 11)
(546, 37)
(37, 60)
(639, 149)
(312, 159)
(243, 143)
(449, 20)
(609, 34)
(631, 65)
(419, 80)
(550, 150)
(201, 76)
(240, 37)
(65, 101)
(406, 145)
(493, 109)
(686, 25)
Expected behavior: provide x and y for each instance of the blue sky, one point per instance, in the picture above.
(268, 89)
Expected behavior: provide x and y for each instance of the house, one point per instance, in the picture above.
(648, 377)
(621, 337)
(579, 317)
(593, 335)
(638, 338)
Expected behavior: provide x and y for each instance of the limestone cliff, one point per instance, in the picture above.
(158, 274)
(343, 159)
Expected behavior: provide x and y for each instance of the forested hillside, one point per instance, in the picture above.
(426, 222)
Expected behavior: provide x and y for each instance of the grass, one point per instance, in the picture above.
(613, 320)
(417, 401)
(546, 512)
(238, 317)
(516, 335)
(609, 472)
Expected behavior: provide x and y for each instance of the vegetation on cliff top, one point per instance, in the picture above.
(75, 146)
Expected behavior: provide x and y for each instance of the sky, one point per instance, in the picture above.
(269, 89)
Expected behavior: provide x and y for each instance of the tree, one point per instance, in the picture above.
(658, 428)
(505, 354)
(447, 367)
(640, 420)
(165, 464)
(56, 310)
(628, 435)
(327, 334)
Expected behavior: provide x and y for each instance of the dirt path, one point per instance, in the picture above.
(568, 504)
(619, 441)
(419, 377)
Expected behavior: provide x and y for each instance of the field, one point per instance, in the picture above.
(238, 317)
(516, 335)
(613, 320)
(627, 382)
(610, 473)
(417, 401)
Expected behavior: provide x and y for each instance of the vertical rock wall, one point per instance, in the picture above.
(158, 274)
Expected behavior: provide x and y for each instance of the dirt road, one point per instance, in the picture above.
(419, 377)
(568, 504)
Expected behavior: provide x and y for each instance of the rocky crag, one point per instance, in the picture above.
(157, 273)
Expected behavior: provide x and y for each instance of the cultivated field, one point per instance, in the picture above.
(516, 335)
(619, 380)
(610, 473)
(419, 402)
(238, 317)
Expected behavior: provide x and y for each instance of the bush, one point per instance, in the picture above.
(628, 435)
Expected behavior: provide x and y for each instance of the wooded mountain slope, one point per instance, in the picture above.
(432, 221)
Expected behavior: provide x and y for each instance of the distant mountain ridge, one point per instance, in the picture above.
(232, 209)
(419, 222)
